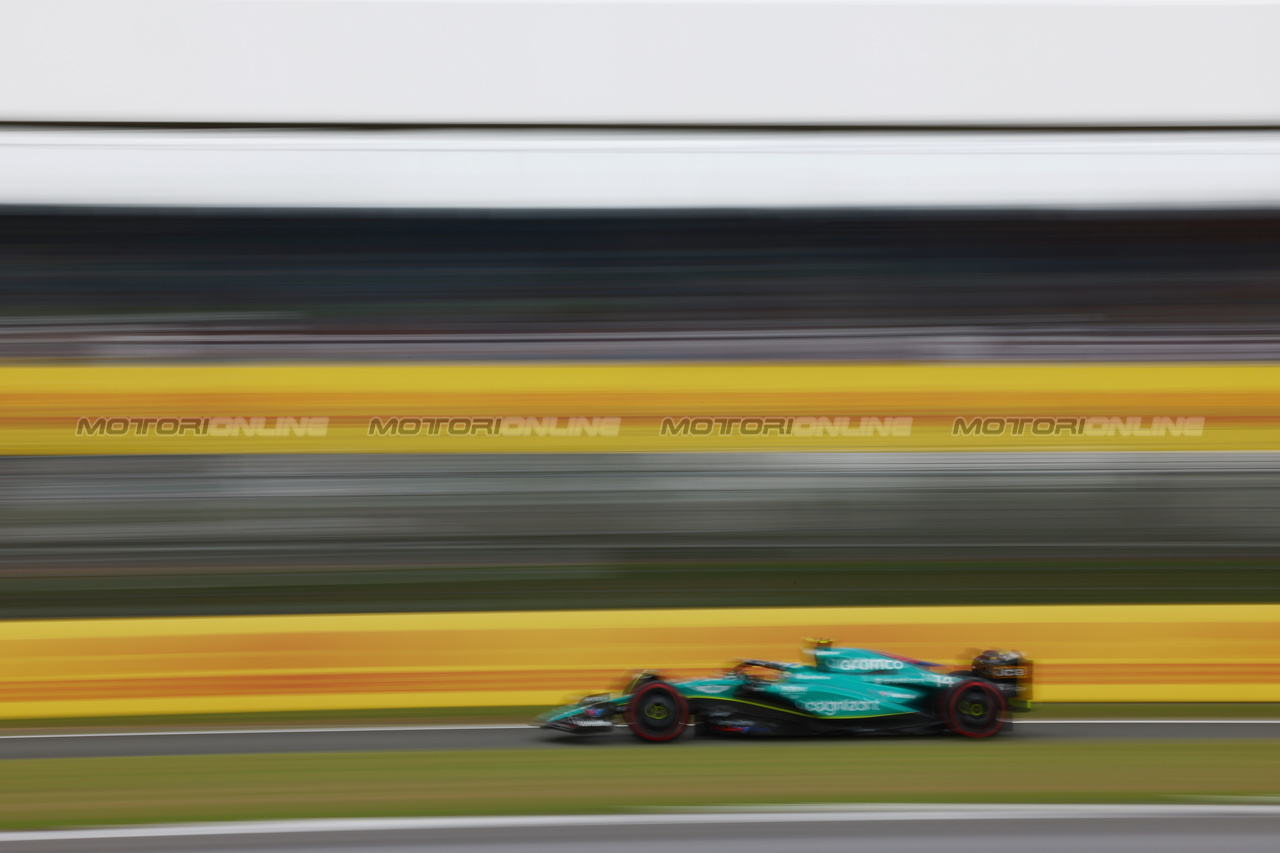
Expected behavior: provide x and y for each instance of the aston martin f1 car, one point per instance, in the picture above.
(843, 691)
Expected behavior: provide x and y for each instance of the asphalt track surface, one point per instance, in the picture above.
(454, 738)
(955, 829)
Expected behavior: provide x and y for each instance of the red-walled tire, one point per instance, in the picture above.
(657, 713)
(974, 708)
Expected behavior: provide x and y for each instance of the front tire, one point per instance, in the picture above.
(974, 708)
(657, 713)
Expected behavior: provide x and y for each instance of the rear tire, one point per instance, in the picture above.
(657, 713)
(974, 708)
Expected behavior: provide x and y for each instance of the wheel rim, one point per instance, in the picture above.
(657, 713)
(976, 710)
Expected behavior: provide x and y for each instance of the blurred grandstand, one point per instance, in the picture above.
(1053, 285)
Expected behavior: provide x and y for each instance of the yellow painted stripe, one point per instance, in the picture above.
(41, 406)
(279, 663)
(544, 620)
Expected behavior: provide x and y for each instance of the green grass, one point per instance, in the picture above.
(586, 777)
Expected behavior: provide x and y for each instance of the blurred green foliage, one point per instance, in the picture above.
(710, 583)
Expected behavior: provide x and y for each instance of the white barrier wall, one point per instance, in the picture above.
(274, 61)
(637, 169)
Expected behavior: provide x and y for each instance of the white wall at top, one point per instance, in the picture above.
(766, 62)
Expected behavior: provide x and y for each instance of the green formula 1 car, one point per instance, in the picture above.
(844, 691)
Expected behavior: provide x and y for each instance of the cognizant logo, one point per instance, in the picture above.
(840, 706)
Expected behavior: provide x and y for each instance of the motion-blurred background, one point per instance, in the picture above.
(946, 215)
